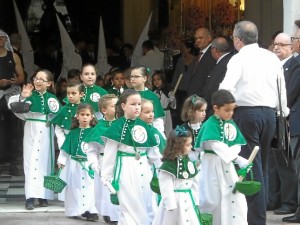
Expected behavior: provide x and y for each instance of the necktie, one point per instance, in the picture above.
(200, 56)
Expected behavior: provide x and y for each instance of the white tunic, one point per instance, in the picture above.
(102, 194)
(135, 195)
(36, 153)
(176, 208)
(217, 180)
(79, 192)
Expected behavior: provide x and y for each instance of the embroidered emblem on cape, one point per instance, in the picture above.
(157, 139)
(185, 174)
(230, 131)
(53, 105)
(95, 97)
(139, 134)
(191, 167)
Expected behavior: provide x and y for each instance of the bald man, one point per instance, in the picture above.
(221, 53)
(203, 64)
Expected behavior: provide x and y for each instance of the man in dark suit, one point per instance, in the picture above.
(204, 63)
(221, 53)
(293, 102)
(282, 172)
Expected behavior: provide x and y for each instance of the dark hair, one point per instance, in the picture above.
(222, 97)
(190, 105)
(123, 99)
(148, 44)
(143, 70)
(72, 73)
(58, 85)
(50, 78)
(76, 84)
(189, 44)
(175, 144)
(87, 64)
(115, 72)
(81, 106)
(162, 76)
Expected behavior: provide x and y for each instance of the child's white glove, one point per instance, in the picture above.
(108, 185)
(171, 96)
(242, 162)
(96, 167)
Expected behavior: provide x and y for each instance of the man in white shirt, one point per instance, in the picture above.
(251, 76)
(152, 58)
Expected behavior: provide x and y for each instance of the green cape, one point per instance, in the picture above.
(65, 115)
(43, 103)
(73, 143)
(98, 131)
(135, 133)
(92, 95)
(216, 129)
(181, 167)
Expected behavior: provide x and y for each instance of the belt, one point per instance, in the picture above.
(255, 107)
(119, 165)
(79, 159)
(37, 120)
(209, 152)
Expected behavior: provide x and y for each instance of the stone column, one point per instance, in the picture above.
(291, 10)
(267, 15)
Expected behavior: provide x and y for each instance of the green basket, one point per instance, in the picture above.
(206, 219)
(114, 199)
(54, 183)
(154, 183)
(248, 188)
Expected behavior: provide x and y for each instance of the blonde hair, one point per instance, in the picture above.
(104, 100)
(144, 101)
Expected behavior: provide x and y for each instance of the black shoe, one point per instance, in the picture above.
(291, 219)
(114, 222)
(106, 219)
(85, 214)
(43, 202)
(29, 204)
(92, 217)
(283, 210)
(14, 170)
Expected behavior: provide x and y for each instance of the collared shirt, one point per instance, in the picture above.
(252, 78)
(222, 57)
(154, 59)
(204, 50)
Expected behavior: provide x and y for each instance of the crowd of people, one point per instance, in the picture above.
(118, 134)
